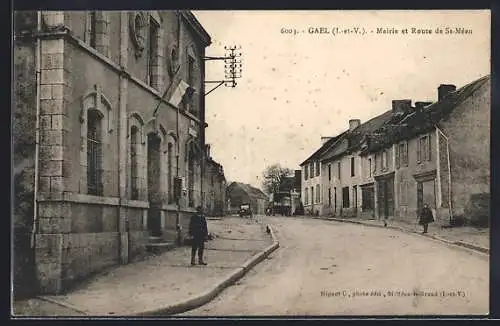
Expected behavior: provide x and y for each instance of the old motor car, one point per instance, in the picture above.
(245, 210)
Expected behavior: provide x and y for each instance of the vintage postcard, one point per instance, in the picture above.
(185, 163)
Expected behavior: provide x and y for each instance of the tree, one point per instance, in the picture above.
(274, 175)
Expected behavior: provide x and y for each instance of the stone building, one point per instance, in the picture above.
(311, 178)
(388, 167)
(348, 177)
(240, 193)
(121, 114)
(440, 155)
(214, 186)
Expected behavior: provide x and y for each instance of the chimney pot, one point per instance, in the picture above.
(401, 106)
(420, 105)
(325, 139)
(354, 123)
(445, 89)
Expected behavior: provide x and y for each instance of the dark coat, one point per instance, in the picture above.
(198, 227)
(426, 216)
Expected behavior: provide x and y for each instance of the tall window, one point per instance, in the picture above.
(92, 29)
(402, 154)
(352, 167)
(329, 172)
(329, 197)
(345, 197)
(153, 53)
(424, 149)
(306, 197)
(317, 168)
(318, 194)
(339, 170)
(191, 80)
(134, 143)
(312, 195)
(170, 172)
(370, 167)
(306, 172)
(94, 153)
(384, 160)
(312, 170)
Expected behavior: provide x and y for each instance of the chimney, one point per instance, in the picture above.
(445, 89)
(401, 106)
(420, 105)
(325, 139)
(354, 123)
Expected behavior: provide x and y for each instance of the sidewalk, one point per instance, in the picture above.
(466, 236)
(167, 279)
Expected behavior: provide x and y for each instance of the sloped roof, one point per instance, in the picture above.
(250, 190)
(414, 124)
(323, 148)
(356, 137)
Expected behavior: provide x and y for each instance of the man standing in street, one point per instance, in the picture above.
(426, 217)
(199, 232)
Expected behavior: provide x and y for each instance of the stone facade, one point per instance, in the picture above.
(214, 187)
(311, 187)
(435, 153)
(107, 159)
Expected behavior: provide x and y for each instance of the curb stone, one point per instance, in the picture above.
(207, 296)
(464, 244)
(62, 304)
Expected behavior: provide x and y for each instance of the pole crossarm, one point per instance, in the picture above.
(216, 58)
(232, 68)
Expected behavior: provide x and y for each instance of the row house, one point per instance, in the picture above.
(214, 186)
(434, 152)
(311, 174)
(109, 123)
(440, 153)
(348, 177)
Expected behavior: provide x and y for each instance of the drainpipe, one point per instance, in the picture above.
(449, 172)
(178, 217)
(37, 126)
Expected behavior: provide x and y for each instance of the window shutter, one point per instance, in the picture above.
(429, 147)
(418, 150)
(398, 155)
(406, 153)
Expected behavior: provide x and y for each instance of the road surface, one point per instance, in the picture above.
(333, 268)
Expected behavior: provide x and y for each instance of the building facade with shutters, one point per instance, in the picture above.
(120, 108)
(440, 154)
(434, 152)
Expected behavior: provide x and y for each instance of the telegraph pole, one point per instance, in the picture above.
(232, 68)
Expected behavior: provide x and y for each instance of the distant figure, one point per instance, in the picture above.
(199, 231)
(426, 217)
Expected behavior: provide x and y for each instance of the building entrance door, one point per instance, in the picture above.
(154, 198)
(385, 197)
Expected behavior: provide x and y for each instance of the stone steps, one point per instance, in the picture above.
(159, 245)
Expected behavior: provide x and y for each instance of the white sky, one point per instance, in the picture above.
(296, 89)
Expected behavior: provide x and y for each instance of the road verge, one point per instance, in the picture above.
(205, 297)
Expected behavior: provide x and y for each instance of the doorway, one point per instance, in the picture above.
(426, 194)
(385, 197)
(154, 198)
